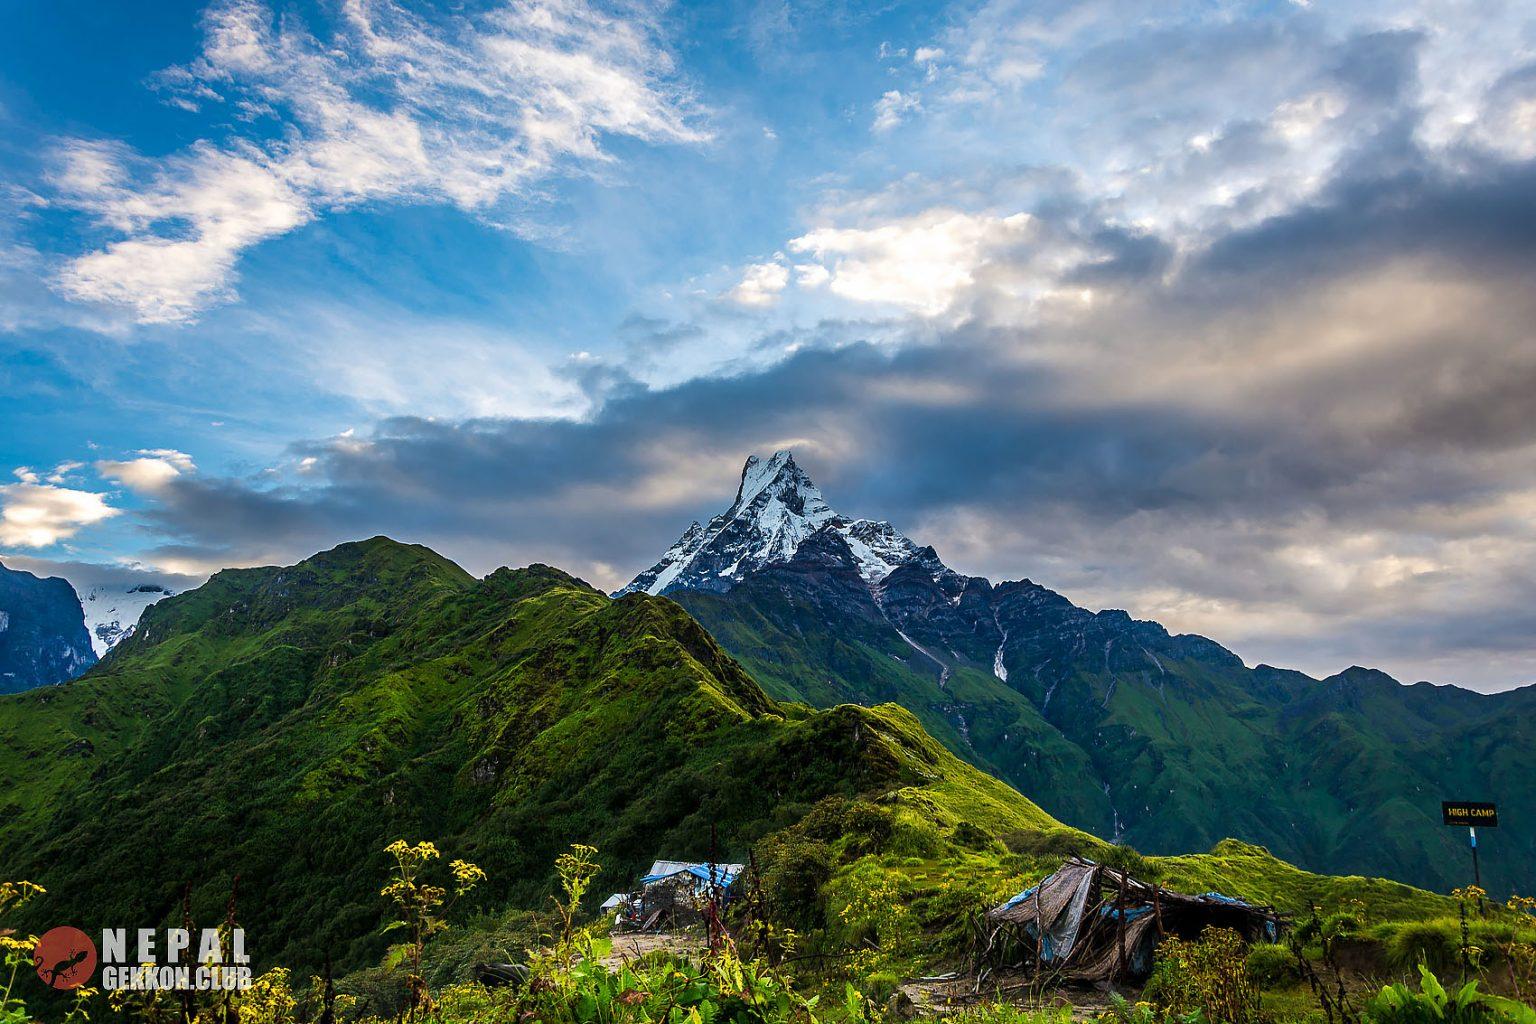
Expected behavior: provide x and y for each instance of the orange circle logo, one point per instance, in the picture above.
(65, 957)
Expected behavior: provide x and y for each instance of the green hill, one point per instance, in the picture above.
(285, 724)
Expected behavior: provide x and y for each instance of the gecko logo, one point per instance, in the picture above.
(65, 957)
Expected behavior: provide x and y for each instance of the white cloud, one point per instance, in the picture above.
(224, 201)
(61, 472)
(1298, 120)
(920, 263)
(811, 275)
(34, 515)
(927, 54)
(893, 108)
(760, 285)
(471, 112)
(150, 472)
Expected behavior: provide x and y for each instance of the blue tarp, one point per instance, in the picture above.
(721, 877)
(1131, 913)
(1020, 898)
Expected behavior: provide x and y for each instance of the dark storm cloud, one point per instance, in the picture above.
(1480, 217)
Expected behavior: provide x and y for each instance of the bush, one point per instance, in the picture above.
(866, 828)
(1053, 844)
(379, 991)
(1209, 976)
(1126, 858)
(794, 871)
(1435, 943)
(1343, 925)
(973, 836)
(1270, 964)
(880, 986)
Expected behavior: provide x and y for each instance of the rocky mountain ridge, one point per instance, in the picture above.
(43, 639)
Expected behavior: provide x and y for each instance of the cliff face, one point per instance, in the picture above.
(43, 639)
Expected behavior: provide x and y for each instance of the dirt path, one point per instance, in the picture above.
(634, 945)
(935, 996)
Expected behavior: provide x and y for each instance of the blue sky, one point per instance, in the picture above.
(1217, 312)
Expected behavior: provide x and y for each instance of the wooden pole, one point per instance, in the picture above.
(1157, 909)
(1039, 932)
(1120, 921)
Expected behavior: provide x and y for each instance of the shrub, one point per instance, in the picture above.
(1209, 976)
(865, 827)
(794, 872)
(1342, 925)
(1270, 964)
(973, 836)
(1435, 943)
(1127, 859)
(1053, 844)
(880, 986)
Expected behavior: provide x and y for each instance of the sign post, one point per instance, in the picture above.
(1471, 813)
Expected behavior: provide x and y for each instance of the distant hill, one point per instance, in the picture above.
(1113, 725)
(43, 639)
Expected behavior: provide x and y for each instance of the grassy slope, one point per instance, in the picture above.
(286, 724)
(788, 649)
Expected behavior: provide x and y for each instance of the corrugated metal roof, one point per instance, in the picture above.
(723, 874)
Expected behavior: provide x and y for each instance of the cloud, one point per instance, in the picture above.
(920, 263)
(151, 472)
(35, 515)
(471, 112)
(892, 108)
(760, 284)
(113, 578)
(1240, 341)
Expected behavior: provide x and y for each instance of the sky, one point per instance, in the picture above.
(1221, 313)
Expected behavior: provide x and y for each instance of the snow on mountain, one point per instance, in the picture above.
(777, 508)
(112, 611)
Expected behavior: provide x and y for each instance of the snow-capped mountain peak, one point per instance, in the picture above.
(777, 508)
(112, 611)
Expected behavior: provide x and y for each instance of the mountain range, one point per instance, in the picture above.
(284, 724)
(1114, 725)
